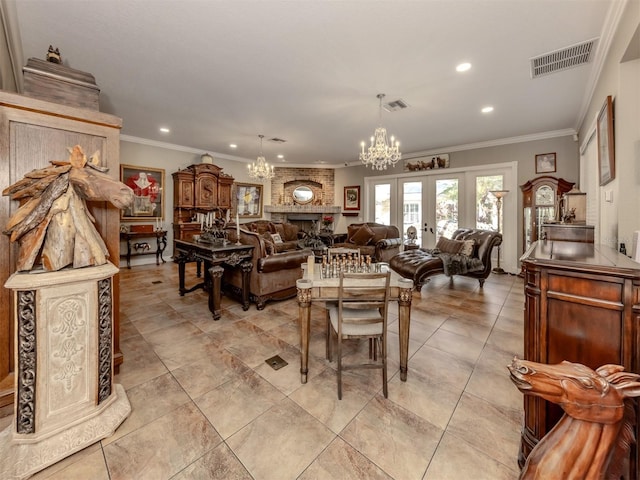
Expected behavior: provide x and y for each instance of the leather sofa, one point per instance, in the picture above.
(420, 264)
(380, 241)
(289, 233)
(274, 274)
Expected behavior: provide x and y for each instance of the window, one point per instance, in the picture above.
(486, 209)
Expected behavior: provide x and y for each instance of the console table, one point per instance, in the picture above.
(581, 305)
(215, 258)
(161, 244)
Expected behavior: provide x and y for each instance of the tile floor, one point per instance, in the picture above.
(205, 405)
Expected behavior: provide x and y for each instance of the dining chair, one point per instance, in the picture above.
(360, 312)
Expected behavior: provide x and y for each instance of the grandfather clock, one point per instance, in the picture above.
(540, 197)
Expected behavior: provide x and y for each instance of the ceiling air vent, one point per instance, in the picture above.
(277, 140)
(563, 59)
(395, 105)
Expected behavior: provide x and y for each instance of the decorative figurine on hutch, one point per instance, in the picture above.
(63, 298)
(593, 438)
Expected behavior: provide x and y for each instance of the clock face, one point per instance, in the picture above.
(545, 196)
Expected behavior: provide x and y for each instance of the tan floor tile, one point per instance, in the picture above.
(319, 397)
(296, 435)
(432, 400)
(455, 459)
(209, 372)
(387, 435)
(172, 334)
(254, 350)
(441, 366)
(217, 464)
(460, 346)
(238, 402)
(163, 447)
(141, 363)
(341, 461)
(489, 428)
(149, 401)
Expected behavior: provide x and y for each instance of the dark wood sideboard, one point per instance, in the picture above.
(582, 304)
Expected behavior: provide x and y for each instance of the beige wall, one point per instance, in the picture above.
(567, 166)
(171, 160)
(620, 78)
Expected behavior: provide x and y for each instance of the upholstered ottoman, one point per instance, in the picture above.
(420, 264)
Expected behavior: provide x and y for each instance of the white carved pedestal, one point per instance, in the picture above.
(65, 396)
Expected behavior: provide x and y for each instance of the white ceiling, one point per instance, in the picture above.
(223, 71)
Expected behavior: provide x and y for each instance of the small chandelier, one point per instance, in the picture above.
(381, 154)
(260, 169)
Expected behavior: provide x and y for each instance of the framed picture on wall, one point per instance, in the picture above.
(546, 163)
(249, 200)
(148, 189)
(352, 197)
(606, 157)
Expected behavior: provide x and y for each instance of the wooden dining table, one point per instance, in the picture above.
(313, 288)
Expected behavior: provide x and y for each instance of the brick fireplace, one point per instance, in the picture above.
(309, 216)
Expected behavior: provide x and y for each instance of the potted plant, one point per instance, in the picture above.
(327, 223)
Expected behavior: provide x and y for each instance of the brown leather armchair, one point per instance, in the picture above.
(274, 274)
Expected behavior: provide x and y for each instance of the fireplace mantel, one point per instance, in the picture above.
(307, 217)
(294, 209)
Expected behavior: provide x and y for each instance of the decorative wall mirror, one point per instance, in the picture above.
(302, 195)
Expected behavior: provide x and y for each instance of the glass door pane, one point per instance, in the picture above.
(446, 207)
(486, 205)
(382, 203)
(412, 208)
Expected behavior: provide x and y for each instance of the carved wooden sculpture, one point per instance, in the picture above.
(54, 220)
(592, 439)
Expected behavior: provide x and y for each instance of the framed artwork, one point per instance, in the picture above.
(546, 163)
(606, 154)
(352, 198)
(249, 200)
(427, 163)
(148, 192)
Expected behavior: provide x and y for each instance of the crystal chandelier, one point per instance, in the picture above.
(260, 169)
(381, 154)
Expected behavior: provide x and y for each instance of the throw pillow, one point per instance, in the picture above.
(276, 238)
(363, 236)
(279, 230)
(268, 244)
(468, 247)
(449, 246)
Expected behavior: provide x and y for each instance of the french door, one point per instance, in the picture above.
(431, 205)
(437, 203)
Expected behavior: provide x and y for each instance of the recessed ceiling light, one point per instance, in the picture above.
(463, 67)
(280, 156)
(233, 145)
(164, 130)
(487, 109)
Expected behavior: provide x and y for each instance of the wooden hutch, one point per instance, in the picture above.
(582, 304)
(199, 188)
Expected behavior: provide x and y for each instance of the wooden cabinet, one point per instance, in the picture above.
(200, 188)
(225, 184)
(183, 196)
(32, 133)
(582, 304)
(540, 198)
